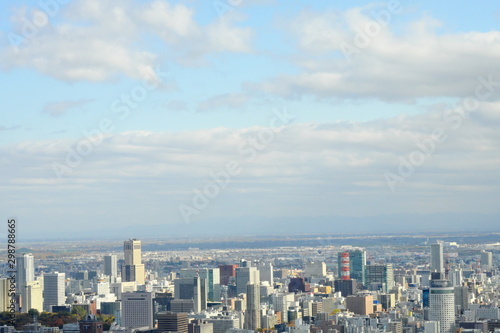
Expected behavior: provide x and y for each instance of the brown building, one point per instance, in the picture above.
(360, 304)
(173, 322)
(90, 324)
(226, 272)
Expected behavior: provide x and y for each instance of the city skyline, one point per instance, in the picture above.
(183, 116)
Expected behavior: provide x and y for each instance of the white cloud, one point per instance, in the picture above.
(56, 109)
(337, 63)
(100, 40)
(307, 170)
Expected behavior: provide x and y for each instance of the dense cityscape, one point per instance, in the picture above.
(432, 286)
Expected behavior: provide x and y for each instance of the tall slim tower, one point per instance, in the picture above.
(53, 290)
(25, 274)
(252, 313)
(437, 262)
(486, 260)
(133, 269)
(442, 305)
(344, 266)
(111, 267)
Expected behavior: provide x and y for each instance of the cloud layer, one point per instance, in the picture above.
(304, 169)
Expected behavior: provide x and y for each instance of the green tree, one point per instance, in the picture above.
(33, 312)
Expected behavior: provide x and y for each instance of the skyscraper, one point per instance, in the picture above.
(380, 277)
(25, 274)
(357, 264)
(442, 305)
(486, 260)
(437, 263)
(192, 289)
(211, 277)
(111, 267)
(133, 269)
(53, 290)
(245, 275)
(173, 322)
(252, 313)
(137, 309)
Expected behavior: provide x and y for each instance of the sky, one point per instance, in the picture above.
(183, 115)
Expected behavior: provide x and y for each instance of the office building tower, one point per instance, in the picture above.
(173, 322)
(25, 270)
(133, 269)
(455, 277)
(266, 272)
(442, 305)
(315, 269)
(252, 313)
(357, 264)
(53, 290)
(111, 267)
(194, 289)
(227, 272)
(486, 260)
(25, 265)
(137, 309)
(4, 294)
(345, 287)
(200, 326)
(379, 277)
(461, 298)
(281, 302)
(32, 296)
(360, 304)
(298, 285)
(245, 275)
(437, 262)
(211, 277)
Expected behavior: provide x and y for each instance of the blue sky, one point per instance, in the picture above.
(218, 73)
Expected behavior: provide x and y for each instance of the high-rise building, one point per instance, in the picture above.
(281, 302)
(133, 269)
(200, 326)
(379, 277)
(192, 289)
(252, 313)
(33, 296)
(25, 273)
(461, 298)
(226, 273)
(357, 264)
(266, 272)
(137, 309)
(245, 275)
(345, 287)
(442, 305)
(360, 304)
(173, 322)
(315, 269)
(53, 290)
(437, 262)
(111, 267)
(211, 277)
(4, 294)
(486, 260)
